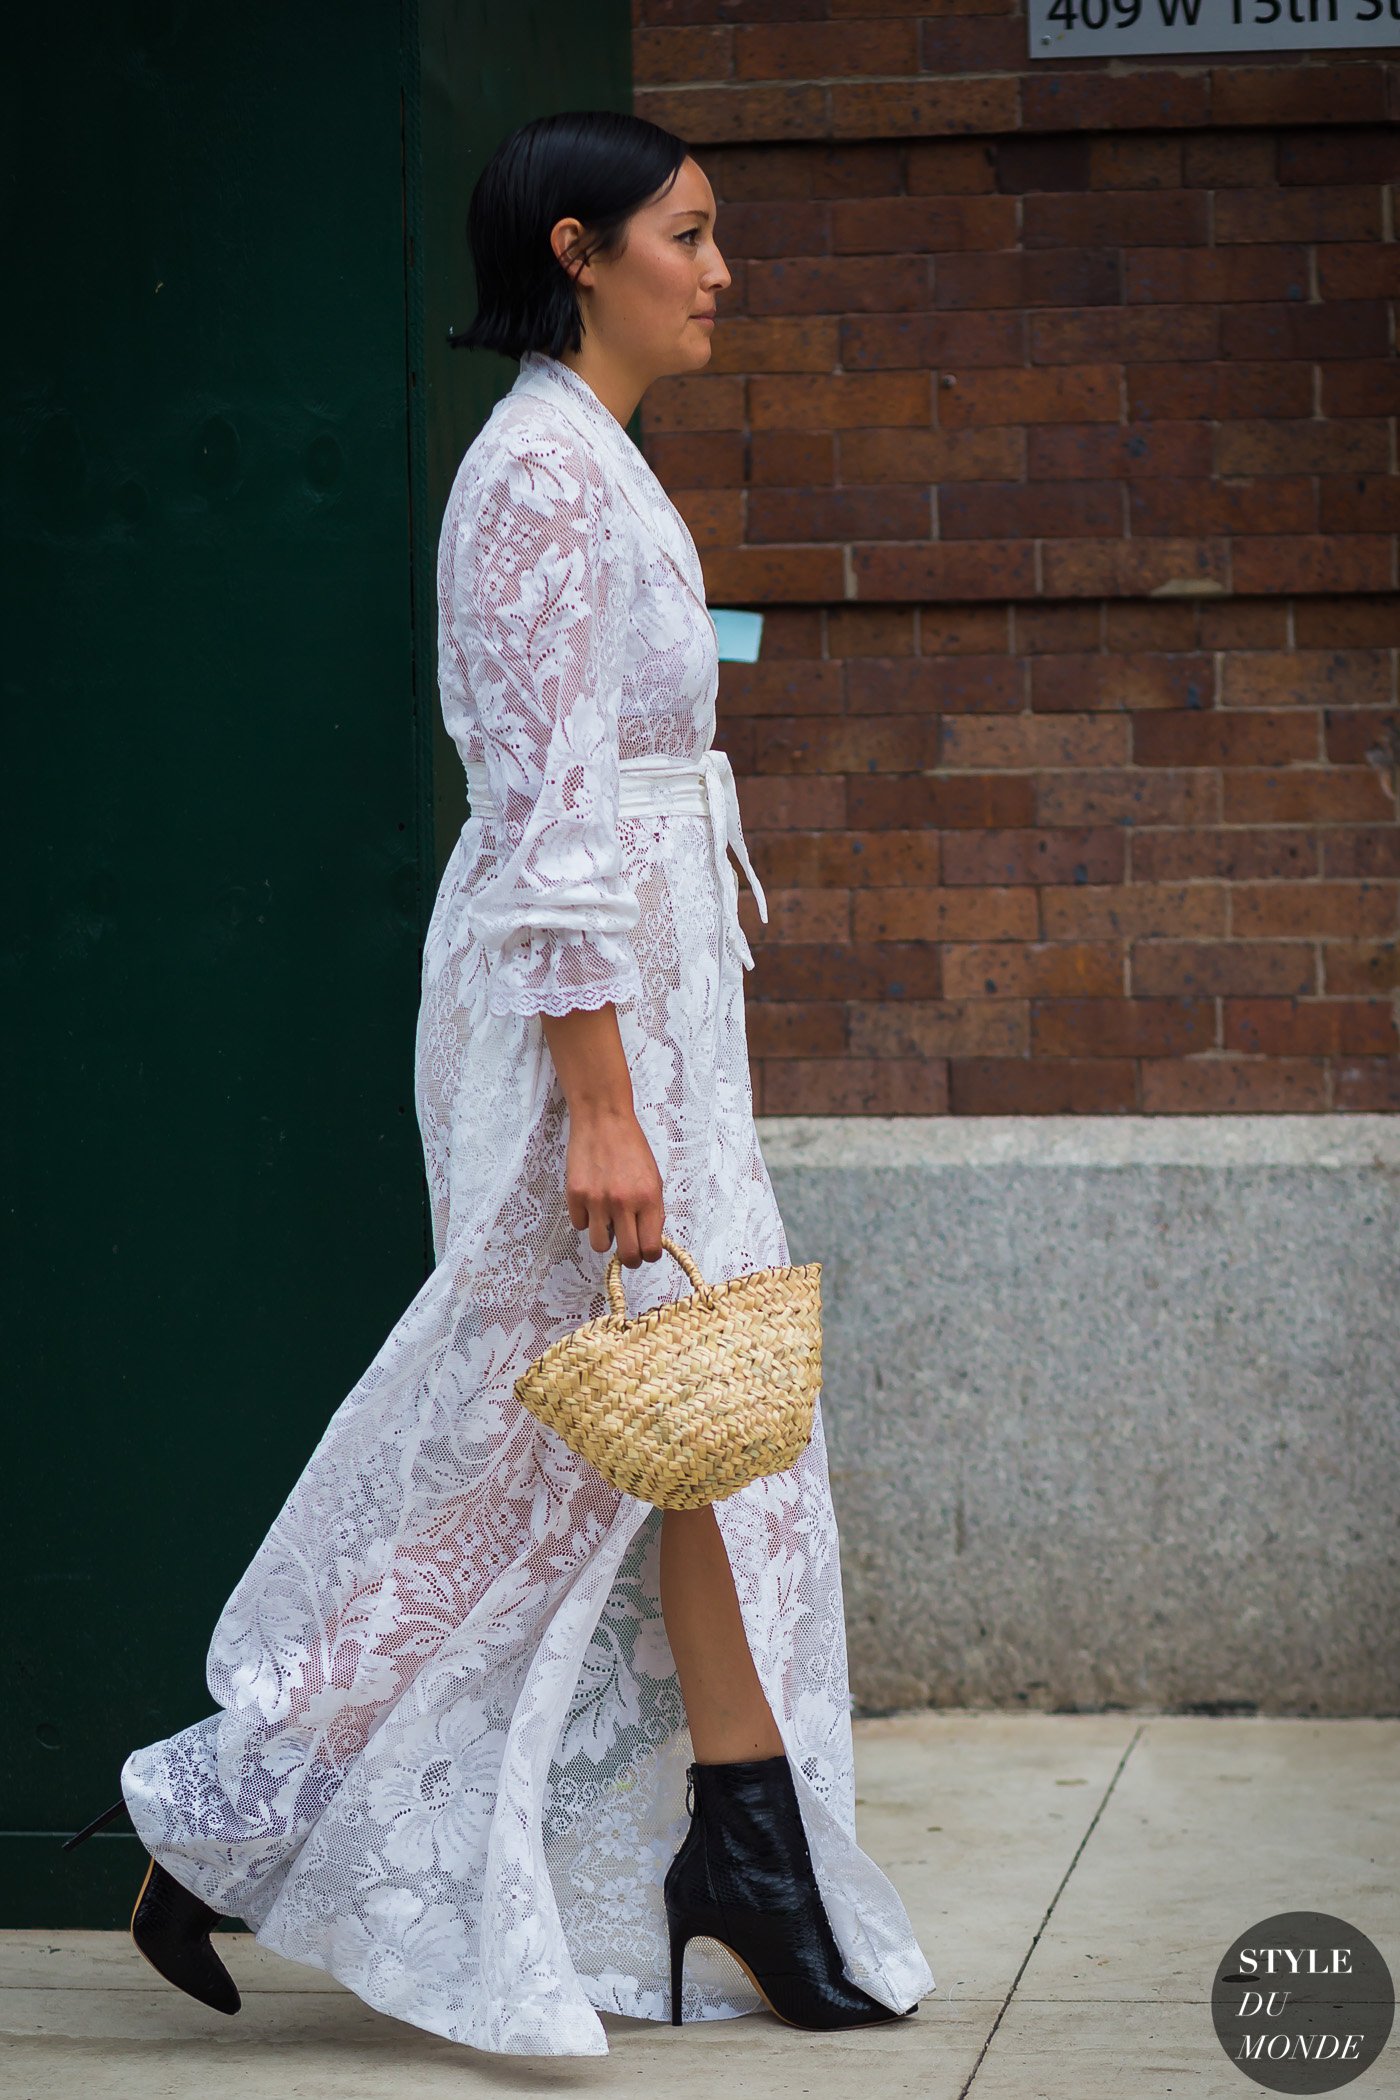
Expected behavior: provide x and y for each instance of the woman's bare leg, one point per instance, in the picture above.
(729, 1716)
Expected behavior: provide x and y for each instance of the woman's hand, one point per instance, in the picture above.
(612, 1182)
(613, 1186)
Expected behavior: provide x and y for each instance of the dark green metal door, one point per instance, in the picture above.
(230, 417)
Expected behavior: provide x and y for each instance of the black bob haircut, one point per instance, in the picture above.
(598, 166)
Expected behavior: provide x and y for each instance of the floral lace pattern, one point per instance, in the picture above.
(447, 1764)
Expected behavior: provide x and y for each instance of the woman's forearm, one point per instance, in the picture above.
(592, 1065)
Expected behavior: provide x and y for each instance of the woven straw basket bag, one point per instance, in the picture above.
(688, 1403)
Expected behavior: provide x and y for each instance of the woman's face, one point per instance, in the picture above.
(643, 309)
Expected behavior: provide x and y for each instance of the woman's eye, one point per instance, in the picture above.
(694, 234)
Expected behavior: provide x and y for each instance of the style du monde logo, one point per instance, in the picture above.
(1303, 2002)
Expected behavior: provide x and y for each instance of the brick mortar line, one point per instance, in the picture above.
(1115, 69)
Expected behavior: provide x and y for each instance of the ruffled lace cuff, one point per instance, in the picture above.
(552, 971)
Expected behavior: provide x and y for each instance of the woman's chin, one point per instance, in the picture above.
(689, 357)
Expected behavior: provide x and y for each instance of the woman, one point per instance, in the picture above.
(467, 1691)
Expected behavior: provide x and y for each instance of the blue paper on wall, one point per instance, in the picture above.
(739, 634)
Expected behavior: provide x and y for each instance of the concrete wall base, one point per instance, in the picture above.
(1112, 1405)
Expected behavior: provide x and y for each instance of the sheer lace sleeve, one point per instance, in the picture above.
(539, 609)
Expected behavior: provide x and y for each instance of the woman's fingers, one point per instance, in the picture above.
(651, 1223)
(637, 1233)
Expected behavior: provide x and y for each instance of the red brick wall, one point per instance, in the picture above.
(1051, 421)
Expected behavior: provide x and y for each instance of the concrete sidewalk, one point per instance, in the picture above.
(1073, 1879)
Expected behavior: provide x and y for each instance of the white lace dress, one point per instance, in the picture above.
(448, 1762)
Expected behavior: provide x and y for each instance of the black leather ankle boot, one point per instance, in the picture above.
(170, 1925)
(744, 1877)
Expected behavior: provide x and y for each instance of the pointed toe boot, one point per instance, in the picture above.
(170, 1926)
(744, 1877)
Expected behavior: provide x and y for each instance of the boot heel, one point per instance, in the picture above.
(107, 1816)
(680, 1940)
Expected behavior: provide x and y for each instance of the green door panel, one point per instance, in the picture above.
(229, 419)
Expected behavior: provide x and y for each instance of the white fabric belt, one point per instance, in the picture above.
(656, 785)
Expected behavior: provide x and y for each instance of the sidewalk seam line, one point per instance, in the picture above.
(1091, 1827)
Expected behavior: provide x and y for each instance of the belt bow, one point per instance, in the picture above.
(722, 802)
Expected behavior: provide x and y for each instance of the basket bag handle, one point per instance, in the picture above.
(613, 1279)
